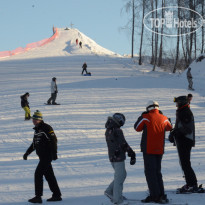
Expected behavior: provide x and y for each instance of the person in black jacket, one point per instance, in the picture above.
(117, 147)
(183, 136)
(45, 144)
(84, 67)
(25, 105)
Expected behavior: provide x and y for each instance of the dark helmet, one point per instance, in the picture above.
(54, 78)
(181, 100)
(120, 118)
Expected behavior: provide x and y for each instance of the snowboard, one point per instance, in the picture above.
(51, 104)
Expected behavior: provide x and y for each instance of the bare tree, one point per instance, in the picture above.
(156, 38)
(161, 43)
(142, 31)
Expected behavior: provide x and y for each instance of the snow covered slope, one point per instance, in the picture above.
(65, 45)
(116, 85)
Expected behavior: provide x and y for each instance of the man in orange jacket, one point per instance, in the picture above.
(153, 124)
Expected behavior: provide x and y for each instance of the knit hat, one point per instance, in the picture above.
(152, 105)
(181, 100)
(119, 118)
(37, 115)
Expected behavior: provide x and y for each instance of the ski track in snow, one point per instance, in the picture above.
(116, 85)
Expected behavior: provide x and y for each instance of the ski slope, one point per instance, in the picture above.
(83, 170)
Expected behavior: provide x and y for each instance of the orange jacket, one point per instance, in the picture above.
(153, 124)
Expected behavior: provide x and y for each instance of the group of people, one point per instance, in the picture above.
(50, 101)
(153, 125)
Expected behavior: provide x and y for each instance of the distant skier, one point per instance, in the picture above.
(189, 78)
(54, 91)
(84, 67)
(153, 124)
(117, 148)
(45, 144)
(25, 106)
(183, 136)
(76, 41)
(80, 44)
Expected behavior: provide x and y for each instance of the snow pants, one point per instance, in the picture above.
(45, 168)
(190, 83)
(27, 113)
(116, 187)
(184, 151)
(52, 98)
(152, 169)
(84, 69)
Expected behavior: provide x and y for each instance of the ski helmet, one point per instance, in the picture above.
(152, 105)
(120, 118)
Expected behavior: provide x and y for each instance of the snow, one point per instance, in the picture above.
(117, 84)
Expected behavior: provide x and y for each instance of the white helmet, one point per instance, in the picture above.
(152, 105)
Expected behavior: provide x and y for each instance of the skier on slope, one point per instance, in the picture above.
(183, 136)
(45, 144)
(84, 67)
(117, 148)
(153, 124)
(25, 106)
(54, 91)
(189, 78)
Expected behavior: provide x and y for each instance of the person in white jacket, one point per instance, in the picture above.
(54, 91)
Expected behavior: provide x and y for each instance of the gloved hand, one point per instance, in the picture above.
(171, 136)
(54, 156)
(132, 160)
(25, 156)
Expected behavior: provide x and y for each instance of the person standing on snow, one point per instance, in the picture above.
(45, 144)
(183, 136)
(117, 148)
(25, 106)
(189, 97)
(189, 78)
(84, 67)
(54, 91)
(153, 124)
(80, 44)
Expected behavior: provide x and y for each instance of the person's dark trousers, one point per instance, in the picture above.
(85, 71)
(184, 149)
(45, 168)
(52, 98)
(152, 169)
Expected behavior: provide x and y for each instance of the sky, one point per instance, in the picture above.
(27, 21)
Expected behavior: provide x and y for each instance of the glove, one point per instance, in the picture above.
(132, 160)
(171, 136)
(25, 156)
(54, 156)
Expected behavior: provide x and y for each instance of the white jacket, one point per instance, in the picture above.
(53, 87)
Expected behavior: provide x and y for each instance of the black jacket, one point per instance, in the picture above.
(24, 101)
(184, 129)
(44, 142)
(116, 143)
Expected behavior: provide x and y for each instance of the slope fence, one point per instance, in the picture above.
(4, 54)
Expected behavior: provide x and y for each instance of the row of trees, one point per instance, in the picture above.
(166, 51)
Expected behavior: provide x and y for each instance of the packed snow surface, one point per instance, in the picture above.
(117, 84)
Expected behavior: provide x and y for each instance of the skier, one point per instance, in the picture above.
(153, 124)
(117, 148)
(25, 106)
(45, 144)
(84, 67)
(183, 136)
(76, 41)
(80, 44)
(54, 91)
(189, 78)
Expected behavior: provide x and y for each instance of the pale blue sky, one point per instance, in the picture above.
(26, 21)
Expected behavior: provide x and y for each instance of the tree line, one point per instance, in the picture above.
(174, 52)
